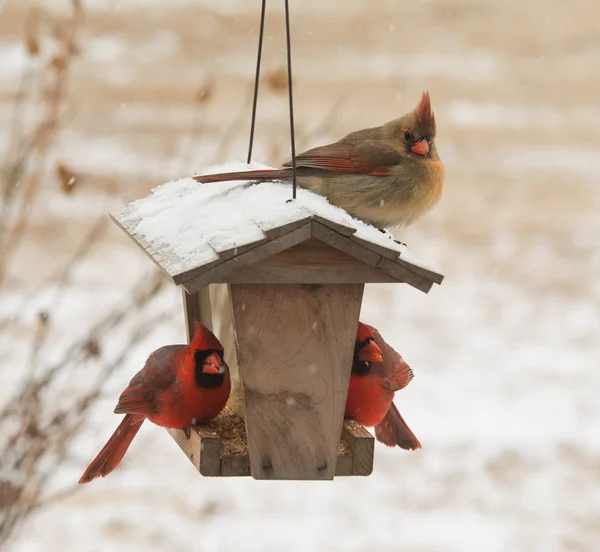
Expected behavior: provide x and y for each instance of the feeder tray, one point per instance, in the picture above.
(295, 293)
(220, 448)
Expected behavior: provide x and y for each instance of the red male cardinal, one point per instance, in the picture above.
(179, 386)
(377, 373)
(386, 176)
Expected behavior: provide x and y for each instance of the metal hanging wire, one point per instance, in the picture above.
(290, 94)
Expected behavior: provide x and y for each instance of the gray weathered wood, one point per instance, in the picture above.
(311, 261)
(140, 243)
(220, 273)
(273, 230)
(344, 244)
(429, 274)
(340, 228)
(203, 449)
(223, 329)
(235, 465)
(362, 446)
(343, 465)
(231, 260)
(386, 252)
(404, 274)
(295, 345)
(196, 306)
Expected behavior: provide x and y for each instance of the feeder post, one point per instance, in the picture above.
(196, 306)
(295, 344)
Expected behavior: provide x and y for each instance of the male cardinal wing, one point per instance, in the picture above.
(372, 157)
(156, 376)
(135, 400)
(395, 373)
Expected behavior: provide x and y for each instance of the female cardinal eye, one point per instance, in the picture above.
(408, 136)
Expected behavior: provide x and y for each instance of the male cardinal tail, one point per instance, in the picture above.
(114, 450)
(392, 431)
(267, 174)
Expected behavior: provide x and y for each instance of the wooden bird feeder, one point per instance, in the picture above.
(295, 285)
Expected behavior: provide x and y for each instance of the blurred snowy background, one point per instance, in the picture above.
(97, 106)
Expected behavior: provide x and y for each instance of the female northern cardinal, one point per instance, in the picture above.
(377, 373)
(386, 176)
(179, 386)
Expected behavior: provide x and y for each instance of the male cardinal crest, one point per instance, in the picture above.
(387, 175)
(179, 386)
(377, 373)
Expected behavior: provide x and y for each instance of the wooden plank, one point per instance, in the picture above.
(391, 254)
(144, 247)
(362, 446)
(196, 306)
(231, 252)
(218, 436)
(396, 256)
(343, 466)
(345, 244)
(203, 449)
(404, 274)
(160, 257)
(223, 329)
(312, 261)
(273, 230)
(220, 273)
(343, 229)
(429, 274)
(180, 277)
(235, 465)
(295, 346)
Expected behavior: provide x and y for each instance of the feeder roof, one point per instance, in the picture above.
(201, 232)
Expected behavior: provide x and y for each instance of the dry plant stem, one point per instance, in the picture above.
(32, 153)
(35, 431)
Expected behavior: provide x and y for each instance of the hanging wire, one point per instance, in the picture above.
(257, 77)
(289, 75)
(289, 71)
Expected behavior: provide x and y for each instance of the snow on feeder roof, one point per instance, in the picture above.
(211, 233)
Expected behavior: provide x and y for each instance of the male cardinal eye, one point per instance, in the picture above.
(408, 136)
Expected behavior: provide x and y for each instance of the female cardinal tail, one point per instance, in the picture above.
(114, 450)
(267, 174)
(392, 431)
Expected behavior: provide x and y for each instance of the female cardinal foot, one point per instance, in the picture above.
(179, 386)
(378, 371)
(387, 176)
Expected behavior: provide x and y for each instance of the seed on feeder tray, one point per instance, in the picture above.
(313, 368)
(314, 326)
(290, 401)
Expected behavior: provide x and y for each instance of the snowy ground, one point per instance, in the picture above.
(506, 352)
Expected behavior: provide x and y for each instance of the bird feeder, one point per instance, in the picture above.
(295, 273)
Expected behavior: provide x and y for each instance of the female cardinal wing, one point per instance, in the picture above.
(372, 157)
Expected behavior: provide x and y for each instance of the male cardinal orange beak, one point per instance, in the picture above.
(212, 364)
(370, 352)
(421, 147)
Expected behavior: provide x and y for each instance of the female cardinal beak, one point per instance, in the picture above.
(421, 147)
(370, 352)
(212, 364)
